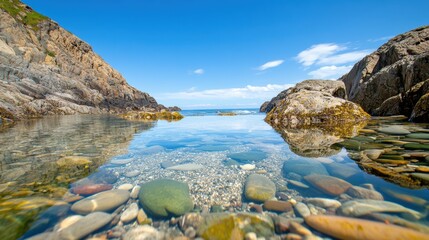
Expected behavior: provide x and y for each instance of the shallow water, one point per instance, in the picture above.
(32, 180)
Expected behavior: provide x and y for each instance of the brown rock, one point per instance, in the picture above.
(327, 184)
(363, 193)
(277, 206)
(297, 228)
(91, 189)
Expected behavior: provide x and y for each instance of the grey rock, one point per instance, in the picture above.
(363, 193)
(104, 201)
(86, 225)
(302, 209)
(130, 213)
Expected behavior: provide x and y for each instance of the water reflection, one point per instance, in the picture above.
(39, 158)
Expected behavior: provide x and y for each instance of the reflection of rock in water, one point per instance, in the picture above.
(317, 141)
(34, 151)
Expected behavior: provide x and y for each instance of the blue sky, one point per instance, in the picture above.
(231, 54)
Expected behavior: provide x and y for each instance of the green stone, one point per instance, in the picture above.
(394, 130)
(422, 176)
(416, 146)
(259, 188)
(391, 157)
(235, 226)
(418, 136)
(248, 157)
(165, 197)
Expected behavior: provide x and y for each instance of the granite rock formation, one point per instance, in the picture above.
(44, 70)
(394, 80)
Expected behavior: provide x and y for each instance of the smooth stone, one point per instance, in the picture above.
(248, 167)
(394, 130)
(298, 184)
(86, 225)
(407, 198)
(126, 186)
(358, 229)
(250, 236)
(324, 202)
(45, 236)
(91, 189)
(373, 153)
(235, 226)
(130, 213)
(423, 169)
(144, 232)
(363, 193)
(303, 167)
(67, 222)
(422, 176)
(416, 146)
(293, 176)
(297, 228)
(277, 206)
(360, 207)
(342, 170)
(164, 197)
(142, 217)
(259, 188)
(121, 161)
(327, 184)
(302, 209)
(391, 157)
(104, 201)
(248, 157)
(135, 192)
(418, 136)
(186, 167)
(398, 221)
(131, 174)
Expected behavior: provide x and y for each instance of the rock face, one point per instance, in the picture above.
(334, 88)
(394, 79)
(315, 102)
(44, 69)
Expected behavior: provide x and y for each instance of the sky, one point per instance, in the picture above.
(199, 54)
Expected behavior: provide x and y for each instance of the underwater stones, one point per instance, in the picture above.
(248, 167)
(342, 170)
(130, 213)
(73, 161)
(424, 136)
(302, 209)
(91, 189)
(360, 207)
(303, 167)
(416, 146)
(363, 193)
(248, 157)
(126, 186)
(104, 201)
(324, 202)
(132, 173)
(144, 232)
(277, 206)
(394, 130)
(259, 188)
(235, 226)
(186, 167)
(164, 197)
(358, 229)
(327, 184)
(421, 176)
(121, 161)
(86, 225)
(298, 184)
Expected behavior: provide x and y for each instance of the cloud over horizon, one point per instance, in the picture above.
(198, 71)
(270, 64)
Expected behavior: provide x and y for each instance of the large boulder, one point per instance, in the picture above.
(394, 79)
(315, 102)
(335, 88)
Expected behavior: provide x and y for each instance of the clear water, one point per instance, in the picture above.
(29, 152)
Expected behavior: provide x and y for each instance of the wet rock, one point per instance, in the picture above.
(342, 170)
(190, 232)
(142, 217)
(86, 225)
(360, 207)
(373, 153)
(363, 193)
(353, 228)
(130, 213)
(303, 167)
(135, 192)
(145, 232)
(297, 184)
(248, 157)
(121, 161)
(104, 201)
(131, 174)
(297, 228)
(259, 188)
(424, 136)
(186, 167)
(164, 197)
(277, 206)
(421, 176)
(416, 146)
(73, 161)
(327, 184)
(103, 176)
(302, 209)
(91, 189)
(235, 226)
(423, 169)
(394, 130)
(324, 202)
(67, 222)
(398, 221)
(293, 176)
(126, 186)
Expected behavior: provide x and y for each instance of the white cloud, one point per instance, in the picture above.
(270, 64)
(330, 72)
(198, 71)
(329, 54)
(386, 38)
(247, 92)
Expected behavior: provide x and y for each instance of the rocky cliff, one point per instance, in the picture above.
(44, 69)
(394, 79)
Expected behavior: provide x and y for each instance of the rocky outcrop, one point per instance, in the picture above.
(44, 69)
(335, 88)
(315, 103)
(394, 80)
